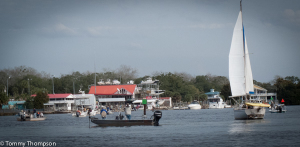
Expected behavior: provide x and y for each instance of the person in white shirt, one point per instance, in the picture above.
(127, 110)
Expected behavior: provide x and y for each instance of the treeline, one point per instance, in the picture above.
(25, 81)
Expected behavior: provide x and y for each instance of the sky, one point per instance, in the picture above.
(191, 36)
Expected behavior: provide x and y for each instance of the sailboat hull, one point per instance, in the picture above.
(256, 113)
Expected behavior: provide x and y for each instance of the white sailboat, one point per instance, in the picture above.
(240, 74)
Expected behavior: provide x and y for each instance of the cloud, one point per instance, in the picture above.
(59, 30)
(208, 26)
(97, 31)
(292, 16)
(65, 30)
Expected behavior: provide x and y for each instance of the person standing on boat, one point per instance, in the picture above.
(34, 112)
(103, 113)
(127, 110)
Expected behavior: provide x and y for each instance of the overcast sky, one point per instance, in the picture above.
(60, 37)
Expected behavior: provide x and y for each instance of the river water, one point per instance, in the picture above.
(205, 127)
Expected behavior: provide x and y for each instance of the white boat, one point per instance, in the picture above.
(180, 108)
(116, 82)
(29, 117)
(108, 82)
(214, 99)
(216, 103)
(150, 103)
(278, 108)
(149, 81)
(240, 75)
(86, 105)
(101, 82)
(194, 105)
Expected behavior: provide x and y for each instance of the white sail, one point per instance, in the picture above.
(236, 60)
(248, 71)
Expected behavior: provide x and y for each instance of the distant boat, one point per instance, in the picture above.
(240, 75)
(116, 82)
(214, 99)
(194, 105)
(101, 82)
(149, 81)
(29, 117)
(108, 82)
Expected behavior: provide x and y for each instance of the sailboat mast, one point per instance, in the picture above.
(244, 51)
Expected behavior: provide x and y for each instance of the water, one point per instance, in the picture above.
(205, 127)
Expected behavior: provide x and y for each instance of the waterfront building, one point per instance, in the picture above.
(113, 95)
(262, 94)
(14, 105)
(59, 103)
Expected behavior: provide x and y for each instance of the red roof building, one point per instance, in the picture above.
(54, 96)
(114, 91)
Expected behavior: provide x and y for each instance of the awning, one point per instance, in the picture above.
(111, 100)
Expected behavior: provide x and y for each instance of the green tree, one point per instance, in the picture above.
(288, 90)
(226, 91)
(40, 99)
(29, 103)
(3, 99)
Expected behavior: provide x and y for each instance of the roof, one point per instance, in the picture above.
(111, 89)
(212, 93)
(259, 88)
(15, 102)
(64, 95)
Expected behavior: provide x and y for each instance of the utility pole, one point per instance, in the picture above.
(7, 86)
(53, 83)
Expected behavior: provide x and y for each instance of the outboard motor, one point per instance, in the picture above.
(280, 109)
(157, 115)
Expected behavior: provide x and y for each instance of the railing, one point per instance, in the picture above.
(62, 101)
(264, 94)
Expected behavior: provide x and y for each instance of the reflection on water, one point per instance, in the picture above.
(245, 125)
(205, 127)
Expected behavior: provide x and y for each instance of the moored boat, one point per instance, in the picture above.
(194, 105)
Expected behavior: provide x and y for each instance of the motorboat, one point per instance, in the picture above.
(216, 102)
(149, 81)
(119, 121)
(150, 103)
(108, 82)
(240, 75)
(194, 105)
(101, 82)
(116, 82)
(30, 117)
(278, 108)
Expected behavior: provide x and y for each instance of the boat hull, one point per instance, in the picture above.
(256, 113)
(194, 106)
(32, 119)
(216, 106)
(100, 122)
